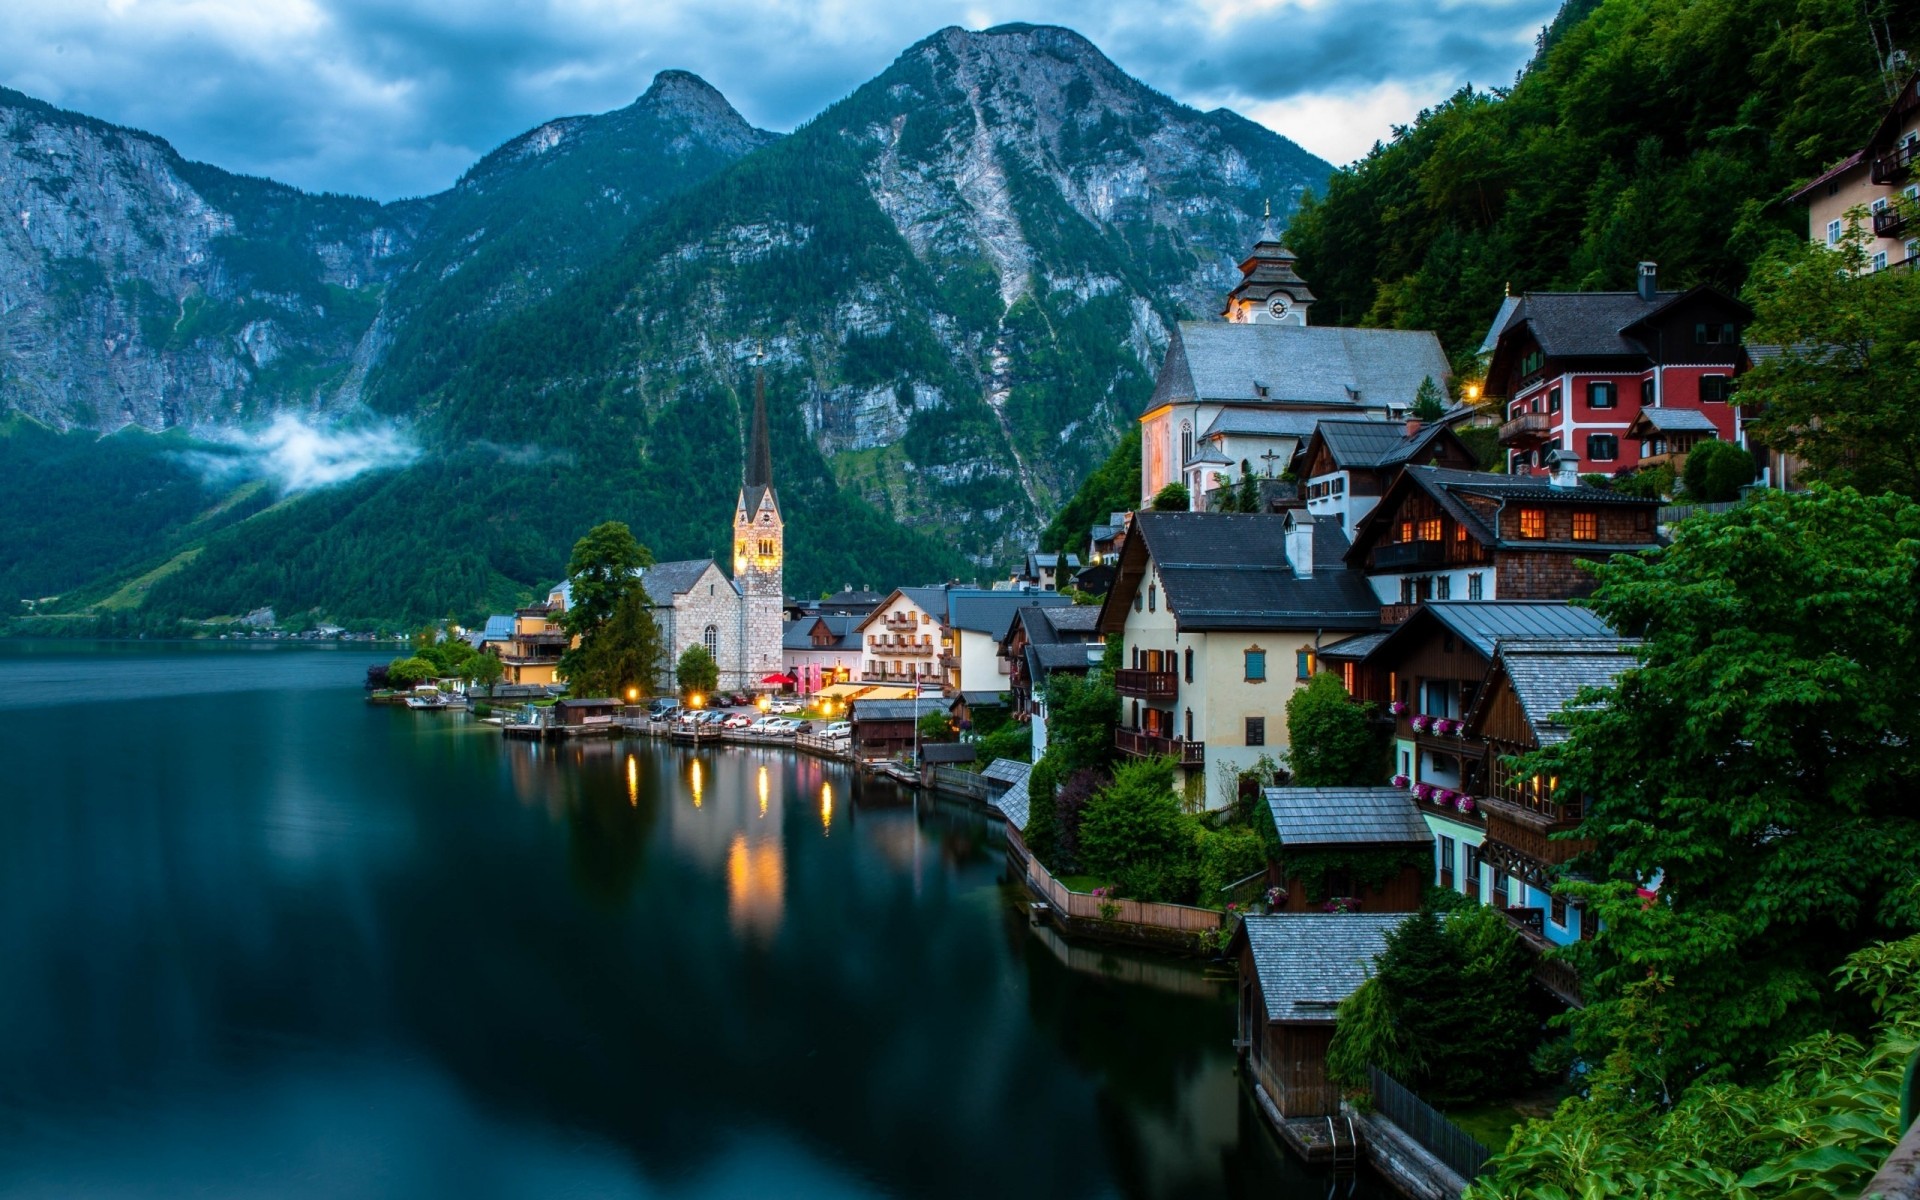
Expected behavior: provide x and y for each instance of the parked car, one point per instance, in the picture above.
(839, 729)
(763, 725)
(784, 707)
(737, 721)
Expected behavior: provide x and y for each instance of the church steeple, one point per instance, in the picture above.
(759, 546)
(1269, 292)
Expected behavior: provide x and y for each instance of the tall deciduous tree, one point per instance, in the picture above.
(618, 650)
(1843, 392)
(697, 672)
(1760, 768)
(1331, 741)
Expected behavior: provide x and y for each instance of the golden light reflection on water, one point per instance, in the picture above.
(826, 807)
(763, 791)
(633, 781)
(696, 782)
(756, 886)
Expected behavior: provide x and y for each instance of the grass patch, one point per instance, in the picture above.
(1491, 1123)
(134, 592)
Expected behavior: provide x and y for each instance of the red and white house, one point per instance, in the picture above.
(1575, 369)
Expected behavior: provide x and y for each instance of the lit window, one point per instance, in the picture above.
(1303, 664)
(1406, 531)
(1430, 529)
(1533, 523)
(1256, 666)
(1459, 533)
(1586, 526)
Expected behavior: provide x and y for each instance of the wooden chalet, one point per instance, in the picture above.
(885, 728)
(1295, 969)
(1346, 819)
(1348, 464)
(1442, 534)
(585, 712)
(1666, 435)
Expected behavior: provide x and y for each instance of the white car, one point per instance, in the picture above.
(784, 707)
(766, 725)
(839, 729)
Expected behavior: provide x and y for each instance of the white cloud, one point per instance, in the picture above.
(1341, 127)
(297, 456)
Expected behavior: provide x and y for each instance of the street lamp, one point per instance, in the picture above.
(633, 693)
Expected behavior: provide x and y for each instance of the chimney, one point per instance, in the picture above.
(1300, 544)
(1649, 280)
(1413, 426)
(1565, 468)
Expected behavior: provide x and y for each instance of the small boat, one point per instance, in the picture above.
(427, 696)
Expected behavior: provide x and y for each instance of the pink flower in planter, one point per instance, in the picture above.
(1464, 804)
(1422, 723)
(1401, 781)
(1447, 796)
(1443, 726)
(1423, 790)
(1398, 708)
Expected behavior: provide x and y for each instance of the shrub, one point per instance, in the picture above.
(1716, 471)
(1173, 498)
(1333, 743)
(1226, 857)
(1135, 834)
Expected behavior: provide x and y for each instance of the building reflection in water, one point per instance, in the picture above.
(756, 886)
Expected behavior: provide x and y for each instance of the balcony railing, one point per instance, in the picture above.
(1394, 614)
(901, 621)
(908, 649)
(1556, 975)
(1146, 685)
(1892, 168)
(1890, 221)
(1147, 745)
(1402, 556)
(1530, 426)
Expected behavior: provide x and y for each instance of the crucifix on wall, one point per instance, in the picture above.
(1269, 458)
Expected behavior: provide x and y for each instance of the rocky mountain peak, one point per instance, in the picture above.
(683, 99)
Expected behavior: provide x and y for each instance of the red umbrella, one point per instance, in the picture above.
(782, 680)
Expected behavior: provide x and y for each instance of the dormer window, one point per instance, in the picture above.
(1707, 333)
(1259, 389)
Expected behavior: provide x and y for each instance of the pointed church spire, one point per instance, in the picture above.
(759, 448)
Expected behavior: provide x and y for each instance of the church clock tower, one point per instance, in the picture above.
(759, 552)
(1269, 293)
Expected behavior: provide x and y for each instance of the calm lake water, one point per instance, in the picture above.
(258, 938)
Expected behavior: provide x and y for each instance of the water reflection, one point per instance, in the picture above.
(489, 969)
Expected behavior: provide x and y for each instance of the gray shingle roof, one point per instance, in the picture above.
(1677, 420)
(1546, 675)
(1300, 364)
(1005, 770)
(1263, 422)
(798, 634)
(1047, 657)
(1230, 571)
(983, 699)
(1354, 647)
(897, 710)
(1308, 962)
(1072, 618)
(947, 752)
(664, 581)
(1585, 324)
(1481, 623)
(1374, 443)
(1013, 802)
(1357, 816)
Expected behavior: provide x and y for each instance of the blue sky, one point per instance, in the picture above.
(390, 98)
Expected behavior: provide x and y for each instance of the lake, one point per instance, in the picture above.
(262, 939)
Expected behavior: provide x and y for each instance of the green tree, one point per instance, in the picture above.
(410, 671)
(1843, 392)
(697, 672)
(485, 670)
(1135, 834)
(935, 727)
(1173, 498)
(1428, 404)
(1716, 471)
(617, 649)
(1247, 494)
(1759, 767)
(1332, 742)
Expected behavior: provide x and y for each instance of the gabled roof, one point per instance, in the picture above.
(1447, 487)
(1482, 624)
(1051, 623)
(1379, 444)
(1500, 319)
(1230, 571)
(1593, 324)
(1069, 619)
(1263, 422)
(664, 581)
(992, 612)
(897, 710)
(1307, 963)
(1345, 816)
(798, 634)
(1674, 420)
(1545, 674)
(1318, 366)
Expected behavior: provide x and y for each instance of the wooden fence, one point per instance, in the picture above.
(1086, 906)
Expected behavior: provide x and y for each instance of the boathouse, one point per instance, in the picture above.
(1295, 969)
(885, 728)
(1363, 849)
(585, 712)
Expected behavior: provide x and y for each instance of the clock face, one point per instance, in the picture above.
(1277, 305)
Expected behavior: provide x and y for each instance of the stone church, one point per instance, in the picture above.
(737, 619)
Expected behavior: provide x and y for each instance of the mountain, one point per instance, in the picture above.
(958, 279)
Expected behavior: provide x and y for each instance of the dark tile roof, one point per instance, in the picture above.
(1500, 319)
(1375, 444)
(983, 699)
(1230, 571)
(1308, 962)
(1013, 802)
(1345, 816)
(1323, 366)
(1546, 675)
(1482, 623)
(798, 634)
(1047, 657)
(1073, 619)
(1356, 648)
(664, 581)
(1585, 324)
(947, 752)
(1263, 422)
(992, 612)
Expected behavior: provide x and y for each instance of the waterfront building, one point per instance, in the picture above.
(1574, 370)
(1220, 617)
(1294, 970)
(946, 637)
(1039, 643)
(821, 650)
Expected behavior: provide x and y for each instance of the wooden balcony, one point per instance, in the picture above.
(1530, 832)
(1527, 427)
(1146, 745)
(1146, 685)
(1553, 974)
(1409, 556)
(907, 649)
(1892, 168)
(1891, 221)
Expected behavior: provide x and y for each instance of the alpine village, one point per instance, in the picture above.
(1481, 634)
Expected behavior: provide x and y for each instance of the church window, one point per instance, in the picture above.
(711, 639)
(1153, 596)
(1186, 443)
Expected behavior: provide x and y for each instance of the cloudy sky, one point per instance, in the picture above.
(390, 98)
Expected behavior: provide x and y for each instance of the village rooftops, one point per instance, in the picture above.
(1546, 676)
(1308, 963)
(1345, 816)
(799, 633)
(1482, 624)
(1675, 420)
(898, 710)
(1598, 325)
(1302, 365)
(1231, 571)
(992, 612)
(1374, 444)
(1450, 489)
